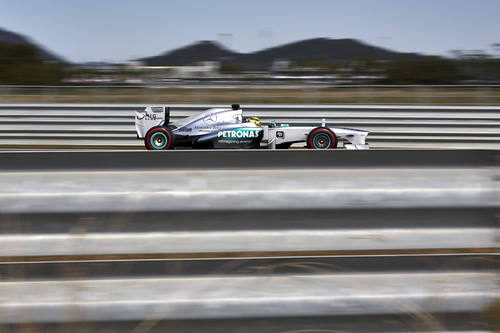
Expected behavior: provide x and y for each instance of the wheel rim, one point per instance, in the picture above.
(158, 140)
(321, 141)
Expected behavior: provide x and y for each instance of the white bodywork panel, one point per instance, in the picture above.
(208, 122)
(356, 138)
(151, 116)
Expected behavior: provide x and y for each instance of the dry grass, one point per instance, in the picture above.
(258, 95)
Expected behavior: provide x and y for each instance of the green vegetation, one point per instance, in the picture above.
(431, 70)
(478, 65)
(23, 64)
(231, 68)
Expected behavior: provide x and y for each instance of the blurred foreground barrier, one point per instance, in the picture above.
(85, 203)
(392, 126)
(306, 294)
(393, 219)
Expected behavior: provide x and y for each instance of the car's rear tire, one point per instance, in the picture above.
(159, 138)
(321, 138)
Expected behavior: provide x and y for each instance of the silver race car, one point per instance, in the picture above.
(228, 128)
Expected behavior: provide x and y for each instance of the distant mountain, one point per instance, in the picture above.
(322, 49)
(9, 37)
(318, 49)
(188, 55)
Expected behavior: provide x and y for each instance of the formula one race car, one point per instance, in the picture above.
(228, 128)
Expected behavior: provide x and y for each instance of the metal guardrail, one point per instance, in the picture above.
(355, 239)
(112, 125)
(264, 295)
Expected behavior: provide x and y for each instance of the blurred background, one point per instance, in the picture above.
(391, 52)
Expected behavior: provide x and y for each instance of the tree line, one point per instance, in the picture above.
(23, 64)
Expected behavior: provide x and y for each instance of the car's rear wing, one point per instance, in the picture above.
(150, 117)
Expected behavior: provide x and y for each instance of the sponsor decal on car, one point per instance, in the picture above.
(148, 116)
(239, 134)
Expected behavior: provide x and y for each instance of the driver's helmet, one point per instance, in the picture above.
(255, 120)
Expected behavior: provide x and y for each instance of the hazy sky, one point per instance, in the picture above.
(115, 30)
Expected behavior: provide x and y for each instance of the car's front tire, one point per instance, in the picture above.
(321, 138)
(159, 138)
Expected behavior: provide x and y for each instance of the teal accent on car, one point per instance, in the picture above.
(314, 140)
(151, 141)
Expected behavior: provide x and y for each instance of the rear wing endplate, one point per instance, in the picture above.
(150, 117)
